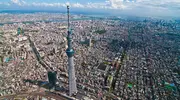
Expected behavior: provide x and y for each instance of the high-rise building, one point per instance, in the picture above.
(70, 54)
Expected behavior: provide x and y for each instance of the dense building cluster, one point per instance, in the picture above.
(123, 59)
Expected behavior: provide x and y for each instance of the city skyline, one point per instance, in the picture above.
(142, 8)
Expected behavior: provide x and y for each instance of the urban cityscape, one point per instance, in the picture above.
(68, 56)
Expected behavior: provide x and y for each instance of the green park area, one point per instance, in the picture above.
(100, 31)
(1, 33)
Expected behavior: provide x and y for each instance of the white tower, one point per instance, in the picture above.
(70, 54)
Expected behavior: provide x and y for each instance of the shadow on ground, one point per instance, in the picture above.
(45, 84)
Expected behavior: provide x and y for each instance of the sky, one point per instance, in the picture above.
(148, 8)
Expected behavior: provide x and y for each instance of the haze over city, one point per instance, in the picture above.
(142, 8)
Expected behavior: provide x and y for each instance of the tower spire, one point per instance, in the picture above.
(68, 17)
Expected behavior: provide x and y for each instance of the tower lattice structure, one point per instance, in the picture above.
(70, 54)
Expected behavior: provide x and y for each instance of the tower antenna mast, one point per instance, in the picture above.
(68, 17)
